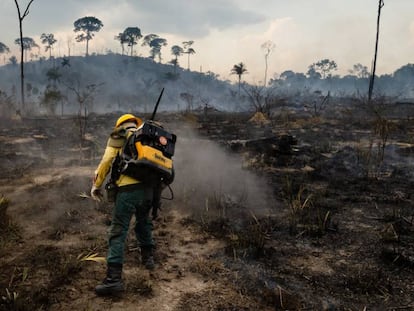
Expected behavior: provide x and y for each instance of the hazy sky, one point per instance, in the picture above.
(227, 32)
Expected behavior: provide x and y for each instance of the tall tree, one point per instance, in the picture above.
(69, 44)
(21, 18)
(267, 48)
(28, 45)
(188, 50)
(87, 26)
(4, 48)
(13, 60)
(52, 94)
(148, 38)
(48, 40)
(177, 51)
(360, 71)
(155, 44)
(132, 35)
(239, 70)
(371, 81)
(122, 39)
(324, 67)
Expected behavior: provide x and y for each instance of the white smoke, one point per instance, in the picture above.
(207, 174)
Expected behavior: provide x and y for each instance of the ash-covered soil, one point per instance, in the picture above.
(291, 212)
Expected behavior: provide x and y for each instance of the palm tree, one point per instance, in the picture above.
(239, 70)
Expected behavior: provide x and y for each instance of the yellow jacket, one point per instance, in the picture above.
(113, 147)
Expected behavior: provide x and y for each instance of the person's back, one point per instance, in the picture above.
(133, 197)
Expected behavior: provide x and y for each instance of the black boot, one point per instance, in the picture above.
(147, 257)
(113, 284)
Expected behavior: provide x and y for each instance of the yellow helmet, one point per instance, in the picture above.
(128, 118)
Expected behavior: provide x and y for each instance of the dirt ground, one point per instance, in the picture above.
(291, 212)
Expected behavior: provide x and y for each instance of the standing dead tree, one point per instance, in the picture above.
(267, 48)
(21, 18)
(371, 81)
(188, 98)
(318, 103)
(84, 97)
(261, 98)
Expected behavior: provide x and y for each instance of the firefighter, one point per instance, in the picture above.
(133, 197)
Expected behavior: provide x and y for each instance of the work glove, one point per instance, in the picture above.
(96, 193)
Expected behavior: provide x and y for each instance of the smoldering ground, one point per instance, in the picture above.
(259, 258)
(211, 180)
(43, 156)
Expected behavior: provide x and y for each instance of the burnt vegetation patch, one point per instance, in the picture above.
(345, 195)
(36, 280)
(10, 232)
(43, 276)
(337, 233)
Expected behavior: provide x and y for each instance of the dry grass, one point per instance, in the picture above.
(140, 283)
(211, 268)
(305, 217)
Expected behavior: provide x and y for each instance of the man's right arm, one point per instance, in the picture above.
(105, 165)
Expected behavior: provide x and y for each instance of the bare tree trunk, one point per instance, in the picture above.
(371, 82)
(21, 17)
(21, 65)
(265, 76)
(268, 48)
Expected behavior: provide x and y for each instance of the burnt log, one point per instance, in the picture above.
(272, 146)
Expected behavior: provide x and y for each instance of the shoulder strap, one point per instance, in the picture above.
(129, 150)
(117, 138)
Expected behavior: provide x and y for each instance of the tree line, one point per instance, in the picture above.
(85, 29)
(319, 73)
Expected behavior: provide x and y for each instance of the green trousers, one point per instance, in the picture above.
(136, 202)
